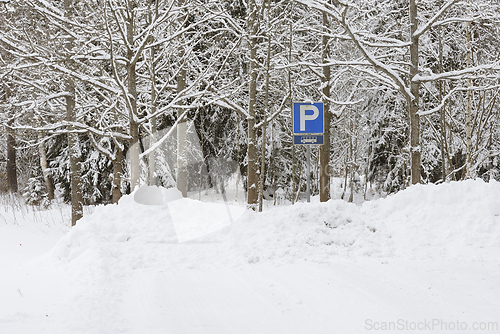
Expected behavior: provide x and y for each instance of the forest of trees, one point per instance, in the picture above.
(91, 89)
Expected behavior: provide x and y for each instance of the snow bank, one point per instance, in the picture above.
(459, 220)
(315, 232)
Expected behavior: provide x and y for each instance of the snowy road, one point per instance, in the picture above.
(423, 261)
(346, 297)
(343, 297)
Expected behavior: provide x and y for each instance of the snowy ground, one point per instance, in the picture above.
(426, 260)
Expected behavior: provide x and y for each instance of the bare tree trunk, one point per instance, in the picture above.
(468, 128)
(151, 157)
(11, 149)
(134, 155)
(74, 158)
(117, 176)
(266, 111)
(182, 175)
(49, 184)
(152, 141)
(351, 186)
(290, 89)
(263, 162)
(354, 131)
(11, 159)
(73, 140)
(132, 96)
(351, 162)
(414, 100)
(273, 155)
(324, 151)
(252, 177)
(181, 178)
(443, 111)
(345, 177)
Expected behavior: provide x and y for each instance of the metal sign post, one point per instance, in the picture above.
(308, 176)
(308, 129)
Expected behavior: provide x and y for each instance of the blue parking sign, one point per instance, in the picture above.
(308, 118)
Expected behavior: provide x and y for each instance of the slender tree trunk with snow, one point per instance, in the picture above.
(73, 140)
(151, 157)
(154, 103)
(443, 144)
(49, 184)
(263, 162)
(415, 150)
(290, 90)
(74, 157)
(132, 99)
(152, 139)
(266, 111)
(346, 174)
(351, 162)
(324, 151)
(11, 149)
(181, 179)
(11, 159)
(134, 155)
(117, 175)
(252, 177)
(468, 112)
(182, 174)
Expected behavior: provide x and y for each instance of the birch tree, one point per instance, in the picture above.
(382, 56)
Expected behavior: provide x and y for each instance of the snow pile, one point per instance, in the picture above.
(123, 269)
(459, 220)
(310, 231)
(122, 231)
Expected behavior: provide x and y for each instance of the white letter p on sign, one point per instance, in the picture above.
(304, 117)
